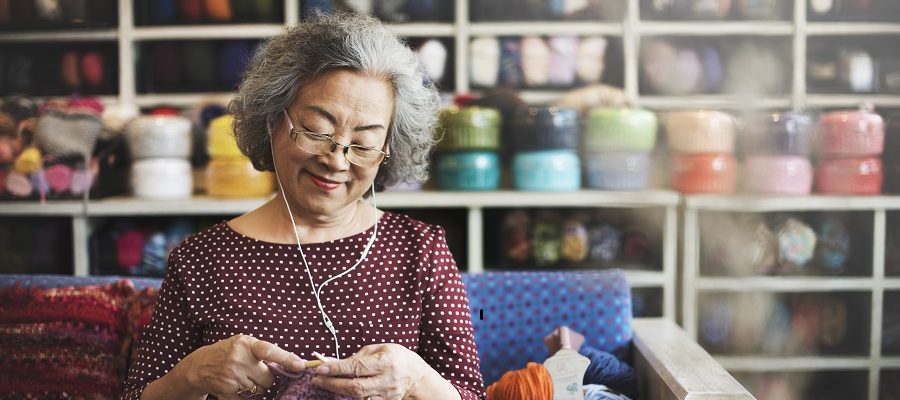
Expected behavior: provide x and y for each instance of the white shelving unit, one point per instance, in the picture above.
(694, 283)
(630, 30)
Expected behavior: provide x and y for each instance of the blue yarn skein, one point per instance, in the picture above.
(601, 392)
(608, 370)
(155, 255)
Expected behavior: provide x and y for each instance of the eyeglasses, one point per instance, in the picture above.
(320, 144)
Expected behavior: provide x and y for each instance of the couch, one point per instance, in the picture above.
(511, 313)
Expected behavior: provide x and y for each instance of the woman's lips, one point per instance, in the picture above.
(324, 184)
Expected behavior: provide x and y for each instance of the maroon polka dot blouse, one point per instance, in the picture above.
(408, 291)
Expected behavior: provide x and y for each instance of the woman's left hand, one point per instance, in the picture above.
(379, 371)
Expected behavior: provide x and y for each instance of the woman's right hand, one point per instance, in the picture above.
(232, 365)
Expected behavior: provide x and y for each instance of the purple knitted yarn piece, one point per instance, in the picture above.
(299, 386)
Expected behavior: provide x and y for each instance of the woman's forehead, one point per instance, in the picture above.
(343, 96)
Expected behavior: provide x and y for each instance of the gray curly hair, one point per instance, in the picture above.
(281, 66)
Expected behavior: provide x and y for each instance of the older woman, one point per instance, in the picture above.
(335, 107)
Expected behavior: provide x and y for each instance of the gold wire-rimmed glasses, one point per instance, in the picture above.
(320, 144)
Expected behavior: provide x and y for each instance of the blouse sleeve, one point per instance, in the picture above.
(446, 337)
(169, 337)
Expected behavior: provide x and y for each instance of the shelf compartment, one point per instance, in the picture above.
(889, 384)
(611, 70)
(750, 247)
(717, 68)
(574, 239)
(836, 384)
(890, 324)
(892, 250)
(646, 302)
(29, 246)
(787, 325)
(140, 246)
(38, 68)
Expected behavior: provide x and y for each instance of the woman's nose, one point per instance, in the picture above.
(336, 159)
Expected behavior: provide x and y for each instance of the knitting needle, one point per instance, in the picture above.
(316, 363)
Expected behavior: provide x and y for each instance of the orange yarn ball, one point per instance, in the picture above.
(531, 383)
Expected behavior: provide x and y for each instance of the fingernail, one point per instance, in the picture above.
(316, 381)
(321, 369)
(299, 364)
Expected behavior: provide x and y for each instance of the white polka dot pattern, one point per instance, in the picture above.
(408, 291)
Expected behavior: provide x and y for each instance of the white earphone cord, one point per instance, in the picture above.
(317, 292)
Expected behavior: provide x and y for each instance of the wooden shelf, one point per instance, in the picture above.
(423, 29)
(645, 279)
(891, 283)
(545, 28)
(177, 99)
(75, 35)
(811, 363)
(785, 284)
(513, 199)
(199, 32)
(34, 208)
(122, 206)
(851, 28)
(202, 205)
(716, 28)
(852, 100)
(750, 203)
(712, 101)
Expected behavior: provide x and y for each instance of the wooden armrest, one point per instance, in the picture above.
(671, 366)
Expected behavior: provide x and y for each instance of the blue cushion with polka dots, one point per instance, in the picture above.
(520, 308)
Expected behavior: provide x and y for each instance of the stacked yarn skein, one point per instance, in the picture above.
(161, 147)
(850, 152)
(545, 146)
(467, 153)
(618, 143)
(702, 142)
(229, 172)
(777, 151)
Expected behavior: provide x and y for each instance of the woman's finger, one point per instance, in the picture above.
(355, 366)
(265, 351)
(262, 376)
(360, 388)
